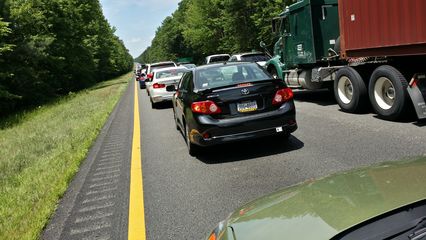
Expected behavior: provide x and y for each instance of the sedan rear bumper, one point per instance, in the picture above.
(279, 130)
(161, 98)
(211, 131)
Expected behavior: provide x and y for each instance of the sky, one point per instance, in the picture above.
(137, 20)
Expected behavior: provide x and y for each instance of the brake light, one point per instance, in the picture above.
(150, 75)
(282, 96)
(244, 85)
(158, 85)
(212, 236)
(205, 107)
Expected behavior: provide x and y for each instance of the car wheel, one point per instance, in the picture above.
(286, 135)
(176, 122)
(388, 92)
(282, 137)
(350, 90)
(153, 104)
(193, 149)
(273, 72)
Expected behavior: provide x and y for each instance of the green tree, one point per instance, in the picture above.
(4, 32)
(58, 46)
(203, 27)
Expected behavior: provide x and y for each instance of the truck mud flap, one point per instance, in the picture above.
(417, 91)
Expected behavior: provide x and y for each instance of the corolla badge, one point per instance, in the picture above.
(245, 91)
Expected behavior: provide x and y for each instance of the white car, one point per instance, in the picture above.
(217, 58)
(258, 57)
(161, 79)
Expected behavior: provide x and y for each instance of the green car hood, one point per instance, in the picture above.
(322, 208)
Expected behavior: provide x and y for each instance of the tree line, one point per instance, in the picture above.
(204, 27)
(49, 48)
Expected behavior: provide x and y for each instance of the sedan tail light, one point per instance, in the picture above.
(282, 96)
(158, 85)
(205, 107)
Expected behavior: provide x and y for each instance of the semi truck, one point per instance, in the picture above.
(368, 52)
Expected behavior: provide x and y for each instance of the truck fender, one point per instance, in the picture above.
(275, 64)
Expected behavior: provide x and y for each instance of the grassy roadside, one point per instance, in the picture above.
(40, 155)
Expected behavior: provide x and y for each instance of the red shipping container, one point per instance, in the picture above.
(382, 27)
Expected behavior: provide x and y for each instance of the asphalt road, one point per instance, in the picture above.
(186, 197)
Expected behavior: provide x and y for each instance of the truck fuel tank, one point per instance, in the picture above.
(302, 79)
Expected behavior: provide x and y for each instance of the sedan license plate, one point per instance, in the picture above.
(247, 106)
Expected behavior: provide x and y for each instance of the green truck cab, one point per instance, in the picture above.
(308, 34)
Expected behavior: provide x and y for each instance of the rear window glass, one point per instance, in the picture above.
(153, 68)
(254, 58)
(225, 75)
(170, 73)
(219, 59)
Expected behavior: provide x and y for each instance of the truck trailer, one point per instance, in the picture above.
(365, 51)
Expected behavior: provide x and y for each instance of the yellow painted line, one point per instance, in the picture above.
(136, 205)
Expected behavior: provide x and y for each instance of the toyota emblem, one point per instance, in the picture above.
(245, 91)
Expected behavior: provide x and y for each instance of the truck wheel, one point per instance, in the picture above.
(388, 92)
(350, 90)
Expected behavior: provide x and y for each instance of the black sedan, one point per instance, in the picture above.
(226, 102)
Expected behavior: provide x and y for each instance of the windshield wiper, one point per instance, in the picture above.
(419, 231)
(414, 230)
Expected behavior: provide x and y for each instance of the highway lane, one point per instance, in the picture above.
(185, 197)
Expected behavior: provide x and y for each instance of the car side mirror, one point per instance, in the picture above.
(171, 88)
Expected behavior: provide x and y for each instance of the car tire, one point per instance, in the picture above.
(284, 136)
(193, 149)
(350, 90)
(176, 122)
(273, 72)
(388, 92)
(153, 104)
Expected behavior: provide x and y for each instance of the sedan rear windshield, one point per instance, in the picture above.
(219, 59)
(255, 58)
(226, 75)
(170, 73)
(153, 68)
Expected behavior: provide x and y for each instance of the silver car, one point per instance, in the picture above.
(258, 57)
(217, 58)
(161, 79)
